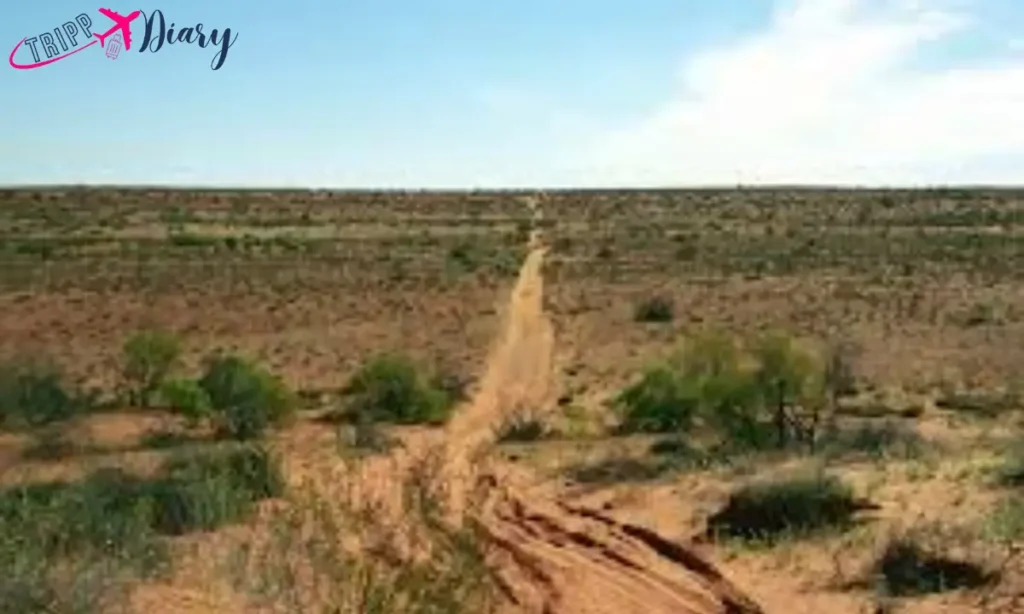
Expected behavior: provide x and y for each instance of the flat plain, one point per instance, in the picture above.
(914, 299)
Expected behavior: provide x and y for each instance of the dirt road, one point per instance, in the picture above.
(552, 558)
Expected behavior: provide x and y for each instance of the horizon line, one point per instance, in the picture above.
(463, 189)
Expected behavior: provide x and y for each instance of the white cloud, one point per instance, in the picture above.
(828, 93)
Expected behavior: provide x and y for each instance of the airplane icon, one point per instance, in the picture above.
(121, 23)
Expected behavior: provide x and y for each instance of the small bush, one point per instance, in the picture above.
(246, 399)
(655, 309)
(116, 514)
(98, 530)
(798, 506)
(203, 493)
(661, 402)
(908, 568)
(790, 388)
(188, 399)
(773, 396)
(389, 388)
(149, 357)
(33, 394)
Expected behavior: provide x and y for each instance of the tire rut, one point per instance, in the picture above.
(553, 558)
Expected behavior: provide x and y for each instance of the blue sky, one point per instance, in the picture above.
(546, 93)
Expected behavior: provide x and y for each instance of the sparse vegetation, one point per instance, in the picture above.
(390, 388)
(200, 493)
(307, 540)
(879, 440)
(33, 393)
(247, 399)
(660, 402)
(74, 545)
(908, 567)
(896, 369)
(771, 396)
(149, 357)
(792, 507)
(187, 398)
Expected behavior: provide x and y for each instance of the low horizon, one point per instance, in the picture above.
(499, 189)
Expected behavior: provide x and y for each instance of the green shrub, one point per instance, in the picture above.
(703, 381)
(796, 506)
(774, 395)
(790, 389)
(33, 394)
(729, 400)
(68, 546)
(660, 402)
(149, 357)
(188, 399)
(389, 388)
(98, 531)
(203, 493)
(246, 399)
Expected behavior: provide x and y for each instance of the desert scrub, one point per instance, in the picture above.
(205, 492)
(306, 540)
(188, 399)
(33, 393)
(390, 388)
(797, 506)
(703, 381)
(149, 357)
(245, 398)
(915, 564)
(75, 546)
(660, 402)
(767, 394)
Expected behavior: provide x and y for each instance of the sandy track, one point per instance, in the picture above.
(552, 558)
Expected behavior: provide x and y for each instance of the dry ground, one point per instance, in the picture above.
(927, 285)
